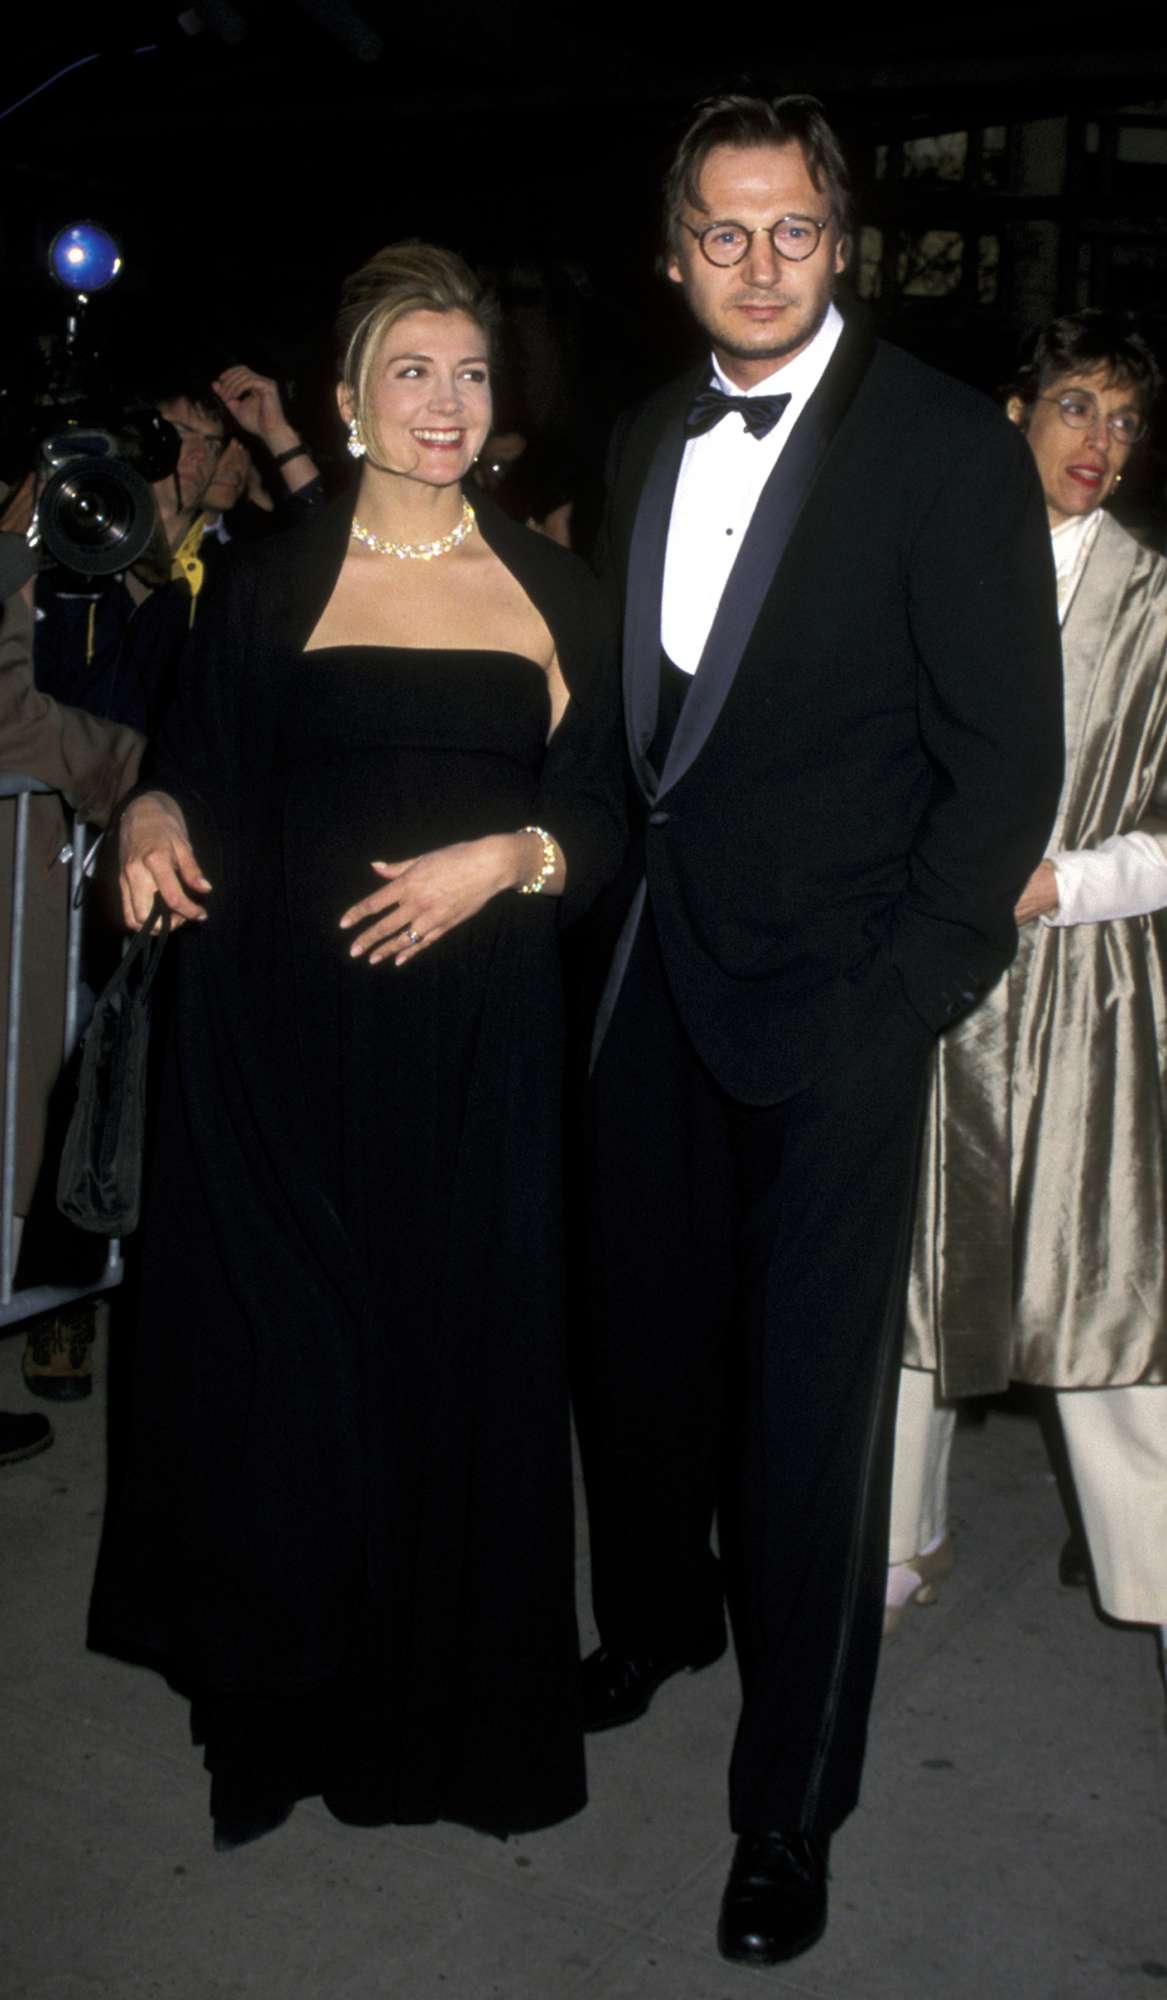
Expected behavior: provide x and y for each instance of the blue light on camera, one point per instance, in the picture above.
(84, 257)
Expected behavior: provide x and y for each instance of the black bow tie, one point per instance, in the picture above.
(710, 405)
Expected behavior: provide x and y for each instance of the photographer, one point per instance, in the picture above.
(214, 497)
(83, 616)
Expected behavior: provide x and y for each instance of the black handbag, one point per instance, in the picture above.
(99, 1184)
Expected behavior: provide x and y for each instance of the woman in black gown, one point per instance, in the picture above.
(346, 1527)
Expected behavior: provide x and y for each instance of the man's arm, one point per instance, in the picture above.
(254, 402)
(984, 619)
(92, 762)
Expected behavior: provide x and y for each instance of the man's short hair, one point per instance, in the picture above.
(169, 388)
(733, 119)
(1091, 342)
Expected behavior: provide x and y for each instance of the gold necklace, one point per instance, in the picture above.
(418, 551)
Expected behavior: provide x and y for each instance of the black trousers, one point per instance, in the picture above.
(746, 1275)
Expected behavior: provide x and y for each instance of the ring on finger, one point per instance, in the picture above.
(413, 936)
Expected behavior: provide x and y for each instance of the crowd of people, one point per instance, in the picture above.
(90, 668)
(844, 771)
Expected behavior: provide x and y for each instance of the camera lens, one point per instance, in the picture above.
(96, 515)
(94, 510)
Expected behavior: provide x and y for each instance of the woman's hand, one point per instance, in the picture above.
(157, 857)
(424, 898)
(1039, 898)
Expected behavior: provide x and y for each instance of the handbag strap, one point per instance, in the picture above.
(143, 954)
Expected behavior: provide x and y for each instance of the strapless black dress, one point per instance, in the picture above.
(347, 1527)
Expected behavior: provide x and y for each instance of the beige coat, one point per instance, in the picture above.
(1041, 1235)
(92, 764)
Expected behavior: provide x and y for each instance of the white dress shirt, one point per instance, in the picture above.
(1125, 876)
(721, 477)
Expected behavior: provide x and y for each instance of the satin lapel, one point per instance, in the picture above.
(644, 584)
(764, 544)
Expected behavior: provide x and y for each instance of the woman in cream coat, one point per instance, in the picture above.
(1041, 1240)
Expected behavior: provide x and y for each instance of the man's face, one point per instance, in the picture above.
(202, 436)
(765, 310)
(228, 478)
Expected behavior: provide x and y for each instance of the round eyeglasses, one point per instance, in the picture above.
(795, 237)
(1079, 409)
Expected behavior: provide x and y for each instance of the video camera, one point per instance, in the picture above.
(95, 512)
(95, 454)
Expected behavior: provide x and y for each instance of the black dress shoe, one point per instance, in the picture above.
(775, 1902)
(617, 1687)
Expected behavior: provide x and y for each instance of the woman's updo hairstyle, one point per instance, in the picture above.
(402, 278)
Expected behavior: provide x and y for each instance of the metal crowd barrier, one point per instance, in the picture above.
(20, 1305)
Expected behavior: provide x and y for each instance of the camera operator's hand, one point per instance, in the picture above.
(254, 402)
(157, 858)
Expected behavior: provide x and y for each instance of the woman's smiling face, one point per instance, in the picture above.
(429, 402)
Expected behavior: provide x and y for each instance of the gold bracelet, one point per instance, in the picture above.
(550, 857)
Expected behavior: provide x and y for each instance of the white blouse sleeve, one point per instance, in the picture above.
(1125, 876)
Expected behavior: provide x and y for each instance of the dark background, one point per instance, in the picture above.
(1007, 166)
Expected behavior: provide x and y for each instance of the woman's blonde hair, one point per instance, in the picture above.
(402, 278)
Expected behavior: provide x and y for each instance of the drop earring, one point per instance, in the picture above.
(355, 444)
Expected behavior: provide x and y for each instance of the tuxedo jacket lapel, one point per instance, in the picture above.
(645, 582)
(764, 545)
(763, 548)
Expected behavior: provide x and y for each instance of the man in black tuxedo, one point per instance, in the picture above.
(841, 683)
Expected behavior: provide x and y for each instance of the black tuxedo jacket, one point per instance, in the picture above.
(868, 762)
